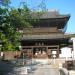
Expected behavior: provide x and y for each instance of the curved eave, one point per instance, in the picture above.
(60, 21)
(69, 35)
(53, 36)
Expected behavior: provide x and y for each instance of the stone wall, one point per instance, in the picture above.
(11, 54)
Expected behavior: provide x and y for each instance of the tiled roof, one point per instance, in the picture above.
(50, 36)
(50, 14)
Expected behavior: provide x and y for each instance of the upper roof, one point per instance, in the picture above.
(50, 14)
(51, 18)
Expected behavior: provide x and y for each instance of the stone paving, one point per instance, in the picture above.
(72, 72)
(45, 70)
(40, 69)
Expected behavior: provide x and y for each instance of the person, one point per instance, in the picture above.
(43, 52)
(2, 55)
(36, 54)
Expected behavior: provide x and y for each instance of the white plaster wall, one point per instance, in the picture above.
(66, 52)
(73, 40)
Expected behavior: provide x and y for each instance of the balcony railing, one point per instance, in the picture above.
(41, 30)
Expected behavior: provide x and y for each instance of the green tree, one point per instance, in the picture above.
(11, 21)
(9, 35)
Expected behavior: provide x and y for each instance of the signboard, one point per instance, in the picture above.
(54, 52)
(66, 52)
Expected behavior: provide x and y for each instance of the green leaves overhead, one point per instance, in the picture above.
(19, 19)
(11, 21)
(5, 3)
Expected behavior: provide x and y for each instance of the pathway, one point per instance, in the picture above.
(6, 69)
(45, 70)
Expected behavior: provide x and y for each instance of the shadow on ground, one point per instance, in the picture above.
(6, 67)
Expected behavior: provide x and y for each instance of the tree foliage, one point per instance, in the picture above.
(11, 20)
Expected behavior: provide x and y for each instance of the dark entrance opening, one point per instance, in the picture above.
(40, 52)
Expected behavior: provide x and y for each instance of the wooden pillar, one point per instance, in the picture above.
(47, 50)
(32, 53)
(58, 51)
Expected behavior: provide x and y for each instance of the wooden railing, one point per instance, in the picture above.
(40, 30)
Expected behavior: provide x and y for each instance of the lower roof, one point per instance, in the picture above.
(50, 36)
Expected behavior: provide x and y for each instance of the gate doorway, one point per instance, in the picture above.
(53, 51)
(40, 52)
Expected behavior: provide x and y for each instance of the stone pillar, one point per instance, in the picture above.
(73, 39)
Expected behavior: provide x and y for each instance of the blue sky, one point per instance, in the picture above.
(63, 6)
